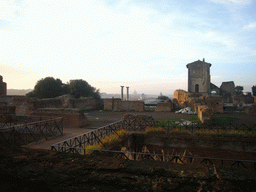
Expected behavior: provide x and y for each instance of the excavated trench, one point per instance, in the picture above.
(192, 146)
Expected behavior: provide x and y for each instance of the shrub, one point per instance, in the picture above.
(155, 130)
(106, 141)
(179, 131)
(205, 132)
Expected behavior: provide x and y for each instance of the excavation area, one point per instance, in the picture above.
(171, 159)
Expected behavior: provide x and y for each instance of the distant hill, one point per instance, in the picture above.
(18, 91)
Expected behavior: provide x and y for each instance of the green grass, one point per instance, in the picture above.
(224, 120)
(193, 118)
(150, 108)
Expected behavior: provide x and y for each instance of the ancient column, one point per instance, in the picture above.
(122, 93)
(127, 93)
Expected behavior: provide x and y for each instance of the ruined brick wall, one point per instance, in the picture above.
(71, 117)
(164, 106)
(82, 103)
(181, 96)
(128, 105)
(213, 102)
(205, 114)
(109, 103)
(115, 104)
(3, 87)
(26, 106)
(242, 99)
(216, 103)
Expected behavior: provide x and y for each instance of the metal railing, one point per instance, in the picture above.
(215, 127)
(166, 158)
(90, 138)
(30, 132)
(77, 145)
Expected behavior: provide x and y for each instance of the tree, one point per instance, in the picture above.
(47, 88)
(239, 90)
(254, 90)
(80, 88)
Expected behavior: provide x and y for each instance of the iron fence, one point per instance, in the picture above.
(216, 128)
(30, 132)
(78, 144)
(210, 161)
(90, 138)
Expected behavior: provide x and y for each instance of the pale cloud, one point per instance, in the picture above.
(9, 10)
(251, 26)
(243, 2)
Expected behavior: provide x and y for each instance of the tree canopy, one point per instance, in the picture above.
(80, 88)
(239, 90)
(47, 88)
(50, 88)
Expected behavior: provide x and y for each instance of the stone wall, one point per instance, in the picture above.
(213, 102)
(242, 99)
(164, 106)
(205, 114)
(71, 117)
(118, 105)
(3, 87)
(109, 103)
(181, 96)
(26, 106)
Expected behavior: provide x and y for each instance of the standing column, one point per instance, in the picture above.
(127, 93)
(122, 93)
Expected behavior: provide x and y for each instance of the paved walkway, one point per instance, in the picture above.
(68, 133)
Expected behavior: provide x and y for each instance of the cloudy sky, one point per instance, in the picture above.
(143, 44)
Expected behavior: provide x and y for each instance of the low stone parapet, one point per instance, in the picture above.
(165, 106)
(71, 117)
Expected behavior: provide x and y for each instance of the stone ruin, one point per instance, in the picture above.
(116, 104)
(3, 87)
(204, 97)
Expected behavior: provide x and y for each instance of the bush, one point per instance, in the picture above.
(105, 142)
(155, 130)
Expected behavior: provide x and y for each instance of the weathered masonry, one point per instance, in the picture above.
(199, 78)
(3, 87)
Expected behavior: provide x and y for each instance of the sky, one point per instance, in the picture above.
(142, 44)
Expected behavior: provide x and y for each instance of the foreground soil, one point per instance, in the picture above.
(24, 169)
